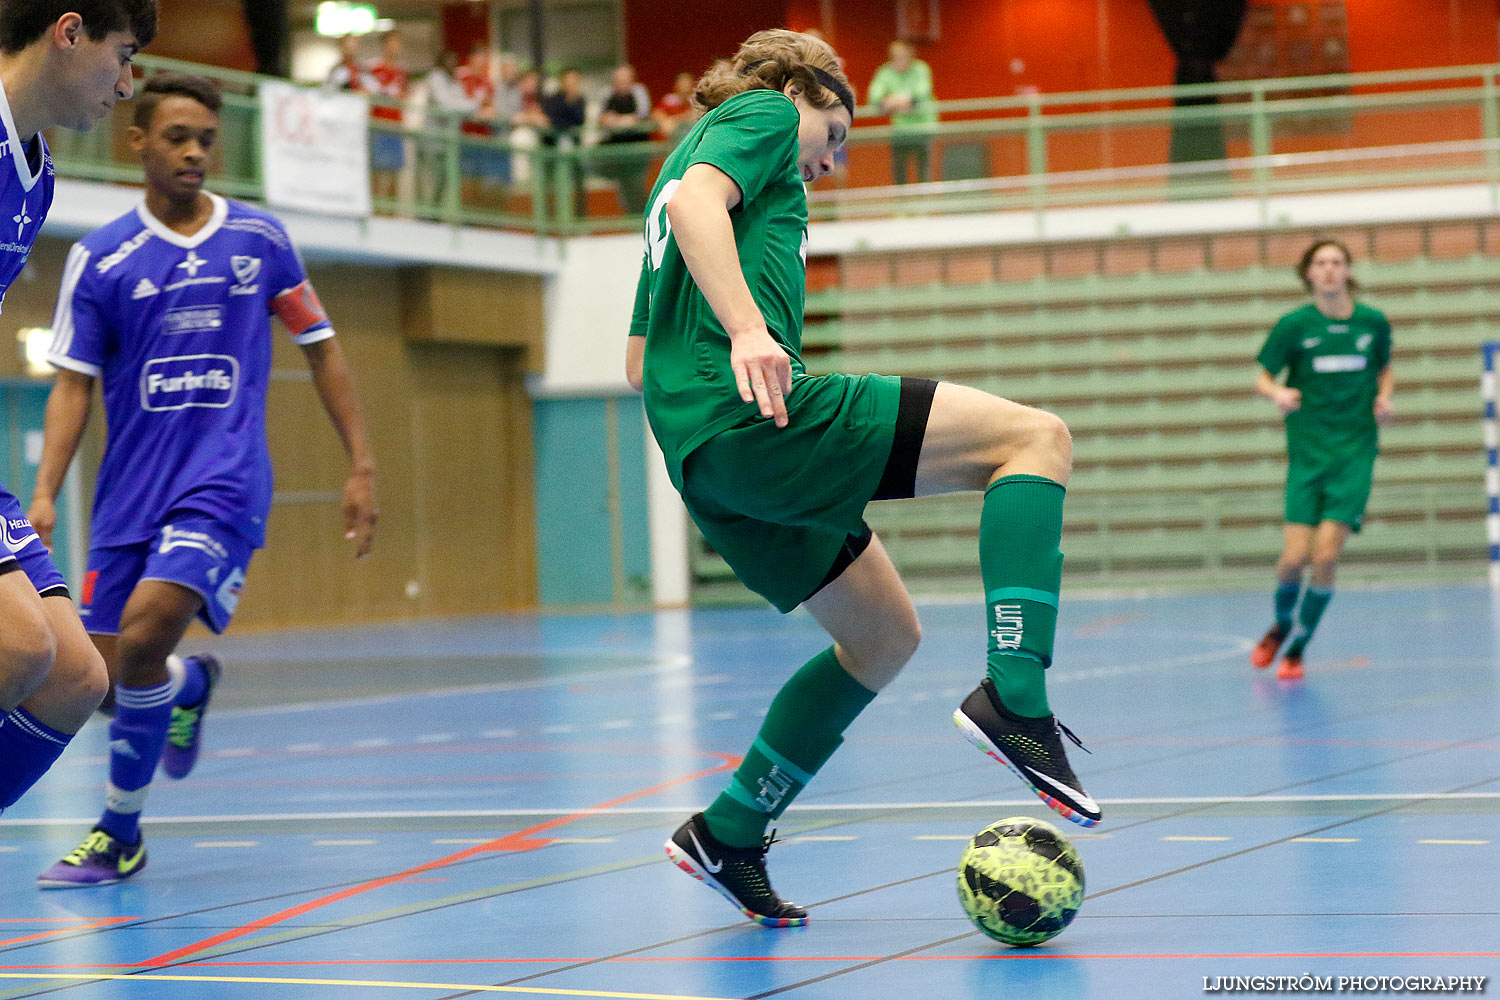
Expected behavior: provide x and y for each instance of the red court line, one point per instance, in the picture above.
(79, 924)
(1009, 956)
(523, 840)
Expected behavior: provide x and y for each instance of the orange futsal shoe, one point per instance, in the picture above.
(1265, 650)
(1291, 667)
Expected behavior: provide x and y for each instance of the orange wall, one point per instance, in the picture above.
(667, 37)
(987, 48)
(1061, 45)
(204, 31)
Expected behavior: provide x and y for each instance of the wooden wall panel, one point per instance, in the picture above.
(451, 429)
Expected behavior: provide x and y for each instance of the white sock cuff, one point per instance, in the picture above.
(120, 801)
(151, 697)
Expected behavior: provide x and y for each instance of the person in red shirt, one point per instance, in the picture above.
(674, 113)
(481, 162)
(389, 82)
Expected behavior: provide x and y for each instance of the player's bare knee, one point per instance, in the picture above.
(89, 678)
(27, 652)
(1051, 438)
(143, 643)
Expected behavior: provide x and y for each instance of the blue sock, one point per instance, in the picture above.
(27, 748)
(136, 737)
(1286, 602)
(188, 678)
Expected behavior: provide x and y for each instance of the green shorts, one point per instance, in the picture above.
(785, 506)
(1338, 492)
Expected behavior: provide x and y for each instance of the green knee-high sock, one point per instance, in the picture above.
(1020, 530)
(803, 728)
(1314, 603)
(1286, 602)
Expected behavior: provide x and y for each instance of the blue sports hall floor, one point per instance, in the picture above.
(478, 807)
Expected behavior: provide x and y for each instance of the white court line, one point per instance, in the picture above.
(226, 843)
(795, 807)
(1453, 841)
(663, 665)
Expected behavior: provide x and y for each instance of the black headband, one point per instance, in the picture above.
(826, 79)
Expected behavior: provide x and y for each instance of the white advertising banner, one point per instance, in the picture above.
(315, 150)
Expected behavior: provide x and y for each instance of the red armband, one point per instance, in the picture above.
(299, 309)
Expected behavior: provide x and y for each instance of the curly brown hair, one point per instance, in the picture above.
(769, 60)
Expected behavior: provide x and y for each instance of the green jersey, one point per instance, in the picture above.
(1336, 364)
(690, 388)
(914, 82)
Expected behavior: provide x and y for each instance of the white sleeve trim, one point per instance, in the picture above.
(313, 336)
(73, 364)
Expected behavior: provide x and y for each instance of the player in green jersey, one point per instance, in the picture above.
(1337, 357)
(776, 465)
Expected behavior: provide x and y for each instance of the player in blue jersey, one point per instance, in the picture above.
(62, 63)
(170, 308)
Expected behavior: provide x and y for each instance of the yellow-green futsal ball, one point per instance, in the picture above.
(1020, 881)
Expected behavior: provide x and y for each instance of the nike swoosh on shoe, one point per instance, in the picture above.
(709, 865)
(1073, 794)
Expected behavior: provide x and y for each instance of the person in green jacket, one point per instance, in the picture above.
(902, 88)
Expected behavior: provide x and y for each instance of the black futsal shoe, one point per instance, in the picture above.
(737, 873)
(1032, 748)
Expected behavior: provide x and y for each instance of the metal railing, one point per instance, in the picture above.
(1036, 152)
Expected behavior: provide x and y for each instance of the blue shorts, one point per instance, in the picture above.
(193, 551)
(21, 549)
(387, 151)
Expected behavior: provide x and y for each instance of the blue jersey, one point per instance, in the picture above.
(26, 180)
(179, 329)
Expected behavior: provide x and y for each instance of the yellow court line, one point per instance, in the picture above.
(1453, 841)
(270, 981)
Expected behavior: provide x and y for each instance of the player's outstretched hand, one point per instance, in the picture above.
(1288, 400)
(763, 372)
(1384, 411)
(360, 511)
(43, 517)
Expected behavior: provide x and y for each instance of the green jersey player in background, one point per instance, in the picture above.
(1336, 354)
(776, 465)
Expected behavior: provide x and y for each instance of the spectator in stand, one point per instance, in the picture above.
(527, 124)
(448, 108)
(674, 113)
(389, 82)
(483, 164)
(902, 88)
(506, 87)
(348, 74)
(567, 113)
(626, 120)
